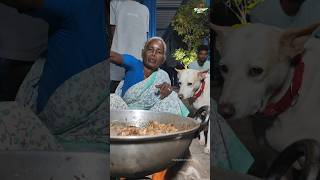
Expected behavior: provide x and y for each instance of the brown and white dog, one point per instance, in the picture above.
(275, 72)
(196, 85)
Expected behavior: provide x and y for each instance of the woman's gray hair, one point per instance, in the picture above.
(159, 39)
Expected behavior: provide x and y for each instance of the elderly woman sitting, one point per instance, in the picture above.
(145, 85)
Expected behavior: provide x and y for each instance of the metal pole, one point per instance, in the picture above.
(152, 6)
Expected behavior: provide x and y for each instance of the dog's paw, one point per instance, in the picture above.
(202, 141)
(206, 150)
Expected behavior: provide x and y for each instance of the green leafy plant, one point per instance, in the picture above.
(190, 23)
(185, 56)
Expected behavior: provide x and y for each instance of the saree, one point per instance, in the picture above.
(75, 117)
(145, 96)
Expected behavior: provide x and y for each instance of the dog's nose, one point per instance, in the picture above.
(180, 96)
(227, 110)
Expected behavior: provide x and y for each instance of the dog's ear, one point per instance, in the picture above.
(292, 41)
(221, 33)
(203, 74)
(178, 70)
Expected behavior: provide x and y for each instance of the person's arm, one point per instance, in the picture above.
(116, 58)
(23, 4)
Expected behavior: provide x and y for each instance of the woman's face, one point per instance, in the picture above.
(153, 55)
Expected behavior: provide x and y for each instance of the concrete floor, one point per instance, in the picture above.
(204, 159)
(196, 165)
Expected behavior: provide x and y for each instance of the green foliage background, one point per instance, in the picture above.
(192, 27)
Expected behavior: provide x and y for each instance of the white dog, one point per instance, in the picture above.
(275, 72)
(196, 84)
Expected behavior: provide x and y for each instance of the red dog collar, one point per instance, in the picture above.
(292, 93)
(199, 91)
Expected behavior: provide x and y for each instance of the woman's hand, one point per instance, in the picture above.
(165, 89)
(116, 58)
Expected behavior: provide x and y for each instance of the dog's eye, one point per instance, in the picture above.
(224, 68)
(189, 84)
(256, 71)
(179, 83)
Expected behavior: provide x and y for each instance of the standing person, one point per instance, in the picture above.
(22, 41)
(287, 13)
(202, 62)
(129, 26)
